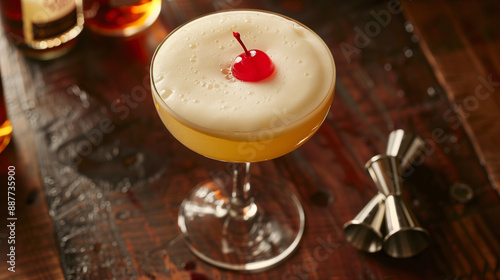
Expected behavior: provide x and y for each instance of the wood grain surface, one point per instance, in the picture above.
(101, 179)
(461, 43)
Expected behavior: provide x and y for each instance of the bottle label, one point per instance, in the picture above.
(44, 19)
(54, 28)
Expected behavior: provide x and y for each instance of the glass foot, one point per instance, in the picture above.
(266, 232)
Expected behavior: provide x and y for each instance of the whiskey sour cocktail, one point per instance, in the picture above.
(217, 115)
(242, 86)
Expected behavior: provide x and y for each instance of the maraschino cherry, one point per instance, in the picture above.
(252, 65)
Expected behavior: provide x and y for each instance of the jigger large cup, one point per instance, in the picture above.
(385, 172)
(405, 238)
(363, 232)
(405, 146)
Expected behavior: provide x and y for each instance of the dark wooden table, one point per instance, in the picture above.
(103, 205)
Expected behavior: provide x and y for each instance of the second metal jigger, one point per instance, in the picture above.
(404, 237)
(404, 146)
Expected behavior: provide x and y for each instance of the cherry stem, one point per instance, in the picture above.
(237, 36)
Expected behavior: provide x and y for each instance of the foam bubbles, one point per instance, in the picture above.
(165, 93)
(198, 61)
(299, 30)
(159, 78)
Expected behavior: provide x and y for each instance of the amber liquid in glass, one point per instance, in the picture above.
(5, 126)
(120, 17)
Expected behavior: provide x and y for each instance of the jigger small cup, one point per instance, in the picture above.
(405, 238)
(405, 146)
(385, 172)
(363, 232)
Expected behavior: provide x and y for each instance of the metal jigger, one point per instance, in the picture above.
(404, 237)
(405, 146)
(364, 230)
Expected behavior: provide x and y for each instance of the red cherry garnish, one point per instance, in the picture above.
(252, 65)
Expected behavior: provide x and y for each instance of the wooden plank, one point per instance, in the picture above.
(115, 211)
(34, 233)
(462, 47)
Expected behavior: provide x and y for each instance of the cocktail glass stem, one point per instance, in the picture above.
(243, 212)
(240, 198)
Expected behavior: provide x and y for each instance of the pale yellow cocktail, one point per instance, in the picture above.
(241, 108)
(220, 117)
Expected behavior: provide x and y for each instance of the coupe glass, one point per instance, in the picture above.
(234, 222)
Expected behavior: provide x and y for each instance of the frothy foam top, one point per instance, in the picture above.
(191, 72)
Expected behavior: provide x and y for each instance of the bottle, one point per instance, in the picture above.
(42, 29)
(121, 18)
